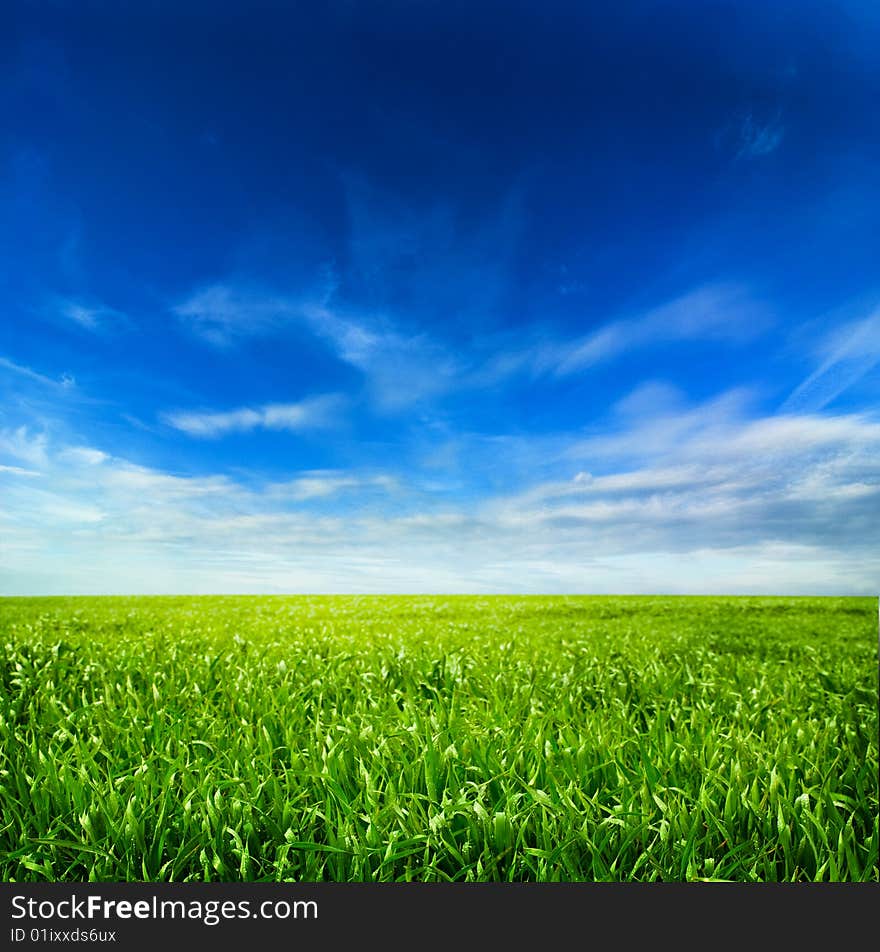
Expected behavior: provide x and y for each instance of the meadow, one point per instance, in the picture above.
(439, 739)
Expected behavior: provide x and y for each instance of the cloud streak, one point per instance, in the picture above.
(851, 352)
(402, 369)
(66, 382)
(323, 484)
(722, 313)
(225, 313)
(96, 318)
(318, 412)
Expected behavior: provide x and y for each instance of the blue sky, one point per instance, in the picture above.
(409, 297)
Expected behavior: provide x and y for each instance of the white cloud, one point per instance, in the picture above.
(21, 444)
(84, 454)
(706, 477)
(717, 502)
(314, 412)
(652, 435)
(93, 317)
(19, 471)
(84, 316)
(652, 398)
(719, 312)
(402, 369)
(723, 313)
(66, 382)
(848, 354)
(399, 368)
(151, 485)
(62, 512)
(322, 484)
(224, 313)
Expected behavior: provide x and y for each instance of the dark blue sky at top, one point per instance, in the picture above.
(471, 184)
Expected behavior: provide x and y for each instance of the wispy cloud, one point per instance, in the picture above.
(801, 484)
(719, 501)
(23, 444)
(66, 382)
(757, 138)
(719, 312)
(399, 368)
(724, 312)
(406, 269)
(314, 412)
(323, 484)
(750, 136)
(224, 313)
(18, 471)
(848, 354)
(402, 369)
(87, 455)
(91, 316)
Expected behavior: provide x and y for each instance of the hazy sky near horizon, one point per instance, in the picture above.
(440, 297)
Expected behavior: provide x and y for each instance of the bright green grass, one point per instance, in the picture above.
(424, 738)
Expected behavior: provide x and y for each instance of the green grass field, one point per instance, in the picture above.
(439, 738)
